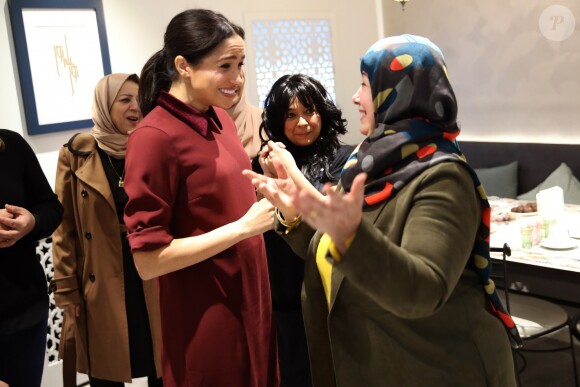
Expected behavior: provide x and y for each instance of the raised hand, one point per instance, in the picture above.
(337, 214)
(265, 162)
(277, 151)
(277, 190)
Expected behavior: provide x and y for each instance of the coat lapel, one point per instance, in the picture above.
(92, 173)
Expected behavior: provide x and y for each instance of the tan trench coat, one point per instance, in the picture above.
(88, 268)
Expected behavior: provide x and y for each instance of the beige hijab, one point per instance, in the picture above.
(248, 119)
(108, 137)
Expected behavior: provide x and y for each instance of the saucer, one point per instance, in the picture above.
(564, 244)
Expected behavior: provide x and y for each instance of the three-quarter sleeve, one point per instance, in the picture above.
(151, 183)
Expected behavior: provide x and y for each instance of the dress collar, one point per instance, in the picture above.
(201, 122)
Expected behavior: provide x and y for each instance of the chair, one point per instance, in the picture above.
(534, 317)
(575, 326)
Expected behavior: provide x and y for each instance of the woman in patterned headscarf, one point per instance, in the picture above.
(397, 291)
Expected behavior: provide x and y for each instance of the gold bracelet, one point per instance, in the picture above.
(288, 225)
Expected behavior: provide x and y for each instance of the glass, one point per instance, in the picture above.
(530, 234)
(545, 227)
(526, 235)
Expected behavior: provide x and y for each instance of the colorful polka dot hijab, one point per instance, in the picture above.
(415, 111)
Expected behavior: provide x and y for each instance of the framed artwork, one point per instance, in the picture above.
(62, 52)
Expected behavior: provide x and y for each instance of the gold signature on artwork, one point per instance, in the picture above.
(65, 62)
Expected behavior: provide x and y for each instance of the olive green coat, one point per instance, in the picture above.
(404, 311)
(88, 267)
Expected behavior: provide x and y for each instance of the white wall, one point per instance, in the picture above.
(512, 83)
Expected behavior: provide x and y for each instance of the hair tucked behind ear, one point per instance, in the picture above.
(193, 34)
(314, 160)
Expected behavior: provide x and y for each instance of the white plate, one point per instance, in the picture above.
(568, 244)
(524, 214)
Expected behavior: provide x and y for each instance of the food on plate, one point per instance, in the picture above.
(503, 217)
(526, 207)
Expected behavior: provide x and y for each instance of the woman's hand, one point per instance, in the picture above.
(280, 156)
(16, 222)
(258, 219)
(265, 162)
(277, 151)
(337, 214)
(279, 190)
(5, 214)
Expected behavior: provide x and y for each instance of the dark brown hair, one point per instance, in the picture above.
(193, 34)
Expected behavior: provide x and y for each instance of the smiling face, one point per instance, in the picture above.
(240, 92)
(125, 111)
(301, 125)
(364, 100)
(217, 80)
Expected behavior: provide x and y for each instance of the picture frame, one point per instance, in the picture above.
(62, 52)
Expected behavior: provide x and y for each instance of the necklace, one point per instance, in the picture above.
(122, 176)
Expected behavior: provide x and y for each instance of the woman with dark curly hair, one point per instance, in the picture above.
(299, 113)
(311, 137)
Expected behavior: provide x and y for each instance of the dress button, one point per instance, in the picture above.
(92, 277)
(88, 235)
(84, 193)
